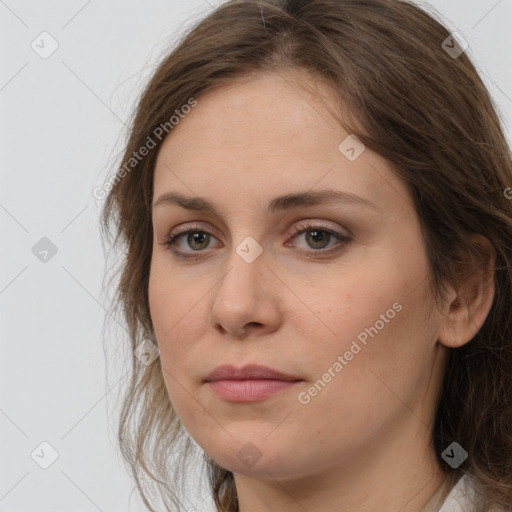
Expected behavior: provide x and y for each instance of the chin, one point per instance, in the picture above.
(256, 457)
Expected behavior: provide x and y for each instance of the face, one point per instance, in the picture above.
(330, 292)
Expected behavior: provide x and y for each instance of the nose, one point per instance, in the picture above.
(246, 299)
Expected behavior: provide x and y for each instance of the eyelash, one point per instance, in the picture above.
(171, 240)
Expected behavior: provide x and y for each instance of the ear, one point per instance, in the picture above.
(471, 300)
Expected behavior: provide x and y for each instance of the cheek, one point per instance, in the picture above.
(173, 326)
(172, 311)
(377, 317)
(385, 343)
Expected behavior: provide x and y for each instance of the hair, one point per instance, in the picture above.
(405, 97)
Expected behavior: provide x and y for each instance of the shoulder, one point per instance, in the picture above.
(462, 497)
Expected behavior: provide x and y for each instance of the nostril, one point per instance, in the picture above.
(250, 324)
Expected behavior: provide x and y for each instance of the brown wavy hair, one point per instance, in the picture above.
(404, 96)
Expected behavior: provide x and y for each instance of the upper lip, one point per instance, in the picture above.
(250, 371)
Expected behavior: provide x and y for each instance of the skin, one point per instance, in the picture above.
(363, 442)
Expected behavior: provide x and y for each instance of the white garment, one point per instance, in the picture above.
(460, 497)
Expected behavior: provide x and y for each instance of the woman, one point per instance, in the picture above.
(315, 210)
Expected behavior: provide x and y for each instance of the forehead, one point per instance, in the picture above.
(265, 134)
(270, 112)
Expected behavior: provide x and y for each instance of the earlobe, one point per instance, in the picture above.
(472, 301)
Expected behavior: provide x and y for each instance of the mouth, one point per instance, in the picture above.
(248, 372)
(251, 383)
(249, 390)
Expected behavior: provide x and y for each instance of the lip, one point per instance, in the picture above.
(247, 372)
(251, 383)
(249, 390)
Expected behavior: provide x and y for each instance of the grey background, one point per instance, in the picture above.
(62, 126)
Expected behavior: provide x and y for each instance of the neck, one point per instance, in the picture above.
(386, 475)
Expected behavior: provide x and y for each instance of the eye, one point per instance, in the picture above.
(198, 238)
(318, 237)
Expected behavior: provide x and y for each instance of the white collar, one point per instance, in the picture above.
(459, 499)
(462, 497)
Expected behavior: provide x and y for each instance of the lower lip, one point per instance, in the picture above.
(249, 390)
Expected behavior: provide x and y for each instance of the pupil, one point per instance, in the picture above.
(318, 236)
(197, 237)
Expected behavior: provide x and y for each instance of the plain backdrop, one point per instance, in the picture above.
(62, 122)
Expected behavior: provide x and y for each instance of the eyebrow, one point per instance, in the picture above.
(280, 203)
